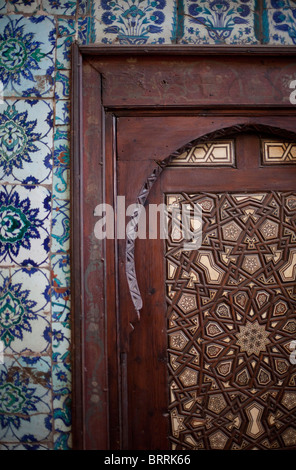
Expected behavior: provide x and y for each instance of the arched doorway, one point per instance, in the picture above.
(132, 110)
(209, 362)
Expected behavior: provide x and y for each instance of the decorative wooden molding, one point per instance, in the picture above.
(226, 132)
(98, 413)
(186, 49)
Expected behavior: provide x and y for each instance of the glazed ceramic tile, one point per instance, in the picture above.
(61, 308)
(62, 87)
(63, 58)
(23, 6)
(61, 337)
(66, 36)
(61, 147)
(60, 270)
(29, 446)
(24, 225)
(3, 7)
(25, 310)
(27, 55)
(84, 7)
(135, 21)
(66, 27)
(218, 22)
(62, 441)
(59, 7)
(61, 170)
(60, 225)
(61, 376)
(60, 277)
(27, 417)
(62, 116)
(61, 182)
(280, 22)
(62, 419)
(84, 30)
(26, 142)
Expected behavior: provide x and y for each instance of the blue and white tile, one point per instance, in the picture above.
(27, 53)
(66, 37)
(135, 21)
(23, 6)
(62, 114)
(60, 277)
(63, 59)
(62, 86)
(3, 7)
(60, 232)
(61, 169)
(62, 420)
(66, 27)
(25, 218)
(61, 182)
(84, 30)
(279, 25)
(25, 310)
(60, 7)
(61, 337)
(61, 308)
(28, 417)
(30, 446)
(26, 142)
(84, 7)
(219, 22)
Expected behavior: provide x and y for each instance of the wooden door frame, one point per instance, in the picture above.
(98, 411)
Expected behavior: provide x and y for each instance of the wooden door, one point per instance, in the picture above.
(161, 359)
(209, 361)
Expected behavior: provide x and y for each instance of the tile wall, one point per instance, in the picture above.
(35, 308)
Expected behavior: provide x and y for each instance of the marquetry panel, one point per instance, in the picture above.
(276, 152)
(213, 153)
(231, 322)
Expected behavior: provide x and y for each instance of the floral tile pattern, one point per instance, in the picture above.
(84, 7)
(61, 274)
(280, 22)
(84, 30)
(60, 225)
(25, 310)
(59, 7)
(24, 225)
(62, 116)
(27, 55)
(3, 7)
(60, 286)
(62, 418)
(27, 418)
(135, 21)
(26, 142)
(66, 36)
(62, 87)
(24, 6)
(219, 22)
(61, 187)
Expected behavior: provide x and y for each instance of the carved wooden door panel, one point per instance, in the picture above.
(176, 348)
(209, 365)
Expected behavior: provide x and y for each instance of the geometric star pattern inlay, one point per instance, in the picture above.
(231, 319)
(252, 338)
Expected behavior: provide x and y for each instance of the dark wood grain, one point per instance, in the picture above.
(132, 109)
